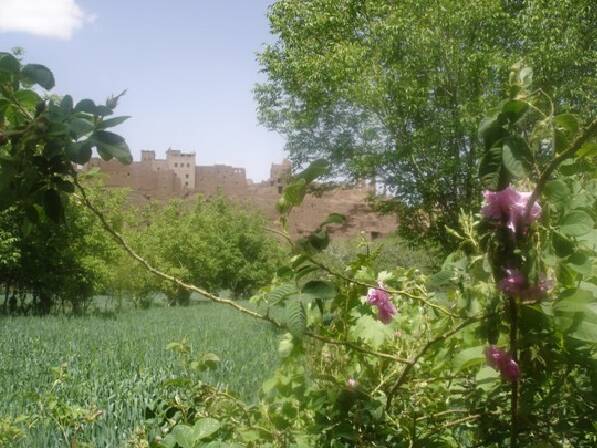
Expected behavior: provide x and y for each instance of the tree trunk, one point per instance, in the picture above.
(45, 303)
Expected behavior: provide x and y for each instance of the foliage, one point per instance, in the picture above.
(119, 366)
(212, 243)
(42, 139)
(351, 377)
(394, 90)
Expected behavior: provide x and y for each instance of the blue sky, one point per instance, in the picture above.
(189, 67)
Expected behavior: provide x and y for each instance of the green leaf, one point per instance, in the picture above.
(491, 130)
(516, 156)
(9, 64)
(316, 169)
(513, 110)
(79, 152)
(576, 313)
(87, 106)
(296, 319)
(576, 223)
(38, 74)
(566, 126)
(294, 193)
(319, 240)
(80, 127)
(114, 145)
(587, 150)
(557, 192)
(281, 292)
(28, 98)
(67, 104)
(491, 171)
(184, 436)
(206, 427)
(470, 357)
(580, 262)
(320, 289)
(111, 122)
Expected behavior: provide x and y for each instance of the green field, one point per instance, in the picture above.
(118, 364)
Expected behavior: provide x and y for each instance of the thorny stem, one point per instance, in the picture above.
(514, 420)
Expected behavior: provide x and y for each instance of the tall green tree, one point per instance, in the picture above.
(395, 90)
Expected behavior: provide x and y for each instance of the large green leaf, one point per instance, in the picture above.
(38, 74)
(516, 156)
(513, 110)
(112, 144)
(316, 169)
(9, 64)
(206, 427)
(296, 319)
(491, 170)
(576, 223)
(111, 122)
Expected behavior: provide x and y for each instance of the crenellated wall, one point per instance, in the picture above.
(178, 177)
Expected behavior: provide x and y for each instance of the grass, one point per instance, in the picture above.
(118, 364)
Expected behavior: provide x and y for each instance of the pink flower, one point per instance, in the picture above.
(538, 291)
(351, 383)
(513, 283)
(509, 206)
(501, 360)
(381, 299)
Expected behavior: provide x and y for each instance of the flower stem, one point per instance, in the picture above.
(515, 384)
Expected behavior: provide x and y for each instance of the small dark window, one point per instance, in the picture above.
(186, 175)
(280, 190)
(272, 183)
(128, 174)
(186, 184)
(175, 165)
(375, 235)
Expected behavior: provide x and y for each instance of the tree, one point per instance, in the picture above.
(212, 243)
(395, 90)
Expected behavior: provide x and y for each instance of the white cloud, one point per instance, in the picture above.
(54, 18)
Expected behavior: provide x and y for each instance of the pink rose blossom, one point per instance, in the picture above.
(501, 360)
(381, 299)
(514, 284)
(509, 206)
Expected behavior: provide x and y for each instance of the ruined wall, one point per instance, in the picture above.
(211, 179)
(153, 178)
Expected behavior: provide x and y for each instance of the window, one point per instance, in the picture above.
(375, 235)
(186, 184)
(175, 165)
(186, 175)
(280, 190)
(188, 165)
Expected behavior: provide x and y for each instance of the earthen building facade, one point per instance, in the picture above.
(178, 176)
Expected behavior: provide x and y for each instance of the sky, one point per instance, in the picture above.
(189, 67)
